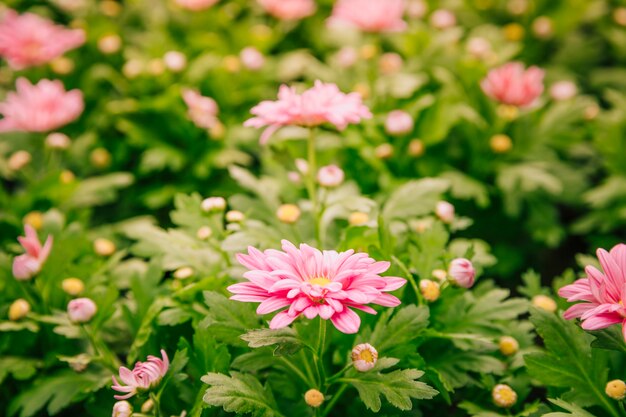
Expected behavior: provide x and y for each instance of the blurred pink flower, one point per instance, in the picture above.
(442, 19)
(314, 282)
(330, 176)
(81, 310)
(29, 264)
(39, 107)
(603, 293)
(323, 103)
(398, 122)
(201, 110)
(196, 5)
(369, 15)
(28, 40)
(289, 9)
(145, 375)
(444, 211)
(563, 90)
(511, 84)
(462, 272)
(252, 58)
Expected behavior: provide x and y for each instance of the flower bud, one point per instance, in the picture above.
(183, 273)
(384, 151)
(213, 204)
(313, 397)
(294, 177)
(500, 143)
(204, 233)
(347, 57)
(479, 48)
(58, 141)
(358, 218)
(81, 310)
(122, 409)
(619, 16)
(234, 216)
(390, 63)
(504, 396)
(398, 123)
(110, 8)
(563, 90)
(147, 406)
(109, 44)
(544, 302)
(100, 158)
(508, 345)
(517, 7)
(175, 61)
(543, 28)
(330, 176)
(363, 89)
(288, 213)
(302, 166)
(442, 19)
(507, 112)
(416, 148)
(62, 65)
(156, 67)
(368, 51)
(18, 309)
(132, 68)
(364, 357)
(439, 274)
(72, 286)
(430, 290)
(513, 32)
(421, 225)
(217, 130)
(416, 9)
(616, 389)
(19, 160)
(252, 58)
(231, 63)
(34, 219)
(444, 211)
(104, 247)
(461, 272)
(591, 112)
(66, 176)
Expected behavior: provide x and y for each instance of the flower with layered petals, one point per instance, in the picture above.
(512, 84)
(28, 40)
(29, 264)
(289, 9)
(201, 110)
(323, 103)
(145, 375)
(315, 283)
(40, 107)
(369, 15)
(603, 293)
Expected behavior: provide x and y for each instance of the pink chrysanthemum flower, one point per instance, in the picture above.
(145, 375)
(511, 84)
(28, 40)
(288, 9)
(369, 15)
(315, 283)
(603, 294)
(323, 103)
(201, 110)
(40, 107)
(29, 264)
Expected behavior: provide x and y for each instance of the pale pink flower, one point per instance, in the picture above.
(28, 40)
(29, 264)
(81, 310)
(196, 5)
(445, 211)
(364, 357)
(369, 15)
(398, 122)
(323, 103)
(252, 58)
(201, 110)
(347, 56)
(563, 90)
(462, 272)
(39, 107)
(315, 283)
(145, 375)
(442, 19)
(330, 176)
(289, 9)
(511, 84)
(603, 293)
(122, 409)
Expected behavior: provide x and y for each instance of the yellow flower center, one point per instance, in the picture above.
(367, 356)
(321, 281)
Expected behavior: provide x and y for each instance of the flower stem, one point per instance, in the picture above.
(311, 182)
(321, 342)
(101, 349)
(157, 405)
(334, 400)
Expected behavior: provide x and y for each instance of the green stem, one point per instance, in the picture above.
(311, 181)
(321, 342)
(296, 370)
(332, 379)
(102, 350)
(411, 279)
(157, 405)
(334, 400)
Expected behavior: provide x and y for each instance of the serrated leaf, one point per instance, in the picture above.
(574, 410)
(227, 319)
(287, 340)
(405, 326)
(100, 190)
(610, 338)
(21, 368)
(415, 198)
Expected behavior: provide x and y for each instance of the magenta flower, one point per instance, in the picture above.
(369, 15)
(323, 103)
(39, 107)
(201, 110)
(511, 84)
(315, 283)
(288, 9)
(145, 375)
(28, 40)
(29, 264)
(603, 293)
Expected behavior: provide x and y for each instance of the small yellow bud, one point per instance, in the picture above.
(416, 148)
(183, 273)
(58, 140)
(440, 274)
(507, 112)
(543, 28)
(231, 63)
(616, 389)
(513, 32)
(234, 216)
(500, 143)
(362, 89)
(147, 406)
(420, 226)
(19, 160)
(156, 66)
(132, 68)
(591, 112)
(73, 286)
(18, 309)
(35, 219)
(204, 233)
(217, 130)
(288, 213)
(619, 16)
(261, 33)
(544, 302)
(368, 51)
(364, 357)
(109, 44)
(313, 398)
(62, 65)
(110, 8)
(104, 247)
(430, 290)
(504, 396)
(100, 158)
(358, 218)
(67, 176)
(384, 151)
(508, 345)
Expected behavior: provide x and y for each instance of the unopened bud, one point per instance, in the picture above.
(81, 310)
(390, 63)
(462, 273)
(58, 141)
(34, 219)
(100, 158)
(363, 89)
(18, 309)
(217, 130)
(231, 63)
(442, 19)
(147, 406)
(288, 213)
(368, 51)
(616, 389)
(62, 65)
(183, 273)
(439, 274)
(543, 28)
(213, 204)
(66, 176)
(384, 151)
(330, 176)
(72, 286)
(619, 16)
(416, 148)
(175, 61)
(104, 247)
(110, 8)
(508, 345)
(314, 398)
(398, 123)
(430, 290)
(500, 143)
(591, 112)
(358, 218)
(19, 160)
(504, 396)
(109, 44)
(204, 233)
(122, 409)
(513, 32)
(156, 66)
(364, 357)
(132, 68)
(544, 302)
(444, 211)
(507, 112)
(235, 216)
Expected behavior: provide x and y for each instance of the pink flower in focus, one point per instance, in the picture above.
(39, 107)
(81, 310)
(369, 15)
(511, 84)
(28, 40)
(29, 264)
(313, 282)
(201, 110)
(462, 273)
(289, 9)
(196, 5)
(323, 103)
(603, 294)
(145, 375)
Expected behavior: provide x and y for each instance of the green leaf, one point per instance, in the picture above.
(610, 338)
(287, 340)
(574, 410)
(241, 394)
(21, 368)
(146, 328)
(227, 319)
(100, 190)
(405, 326)
(415, 198)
